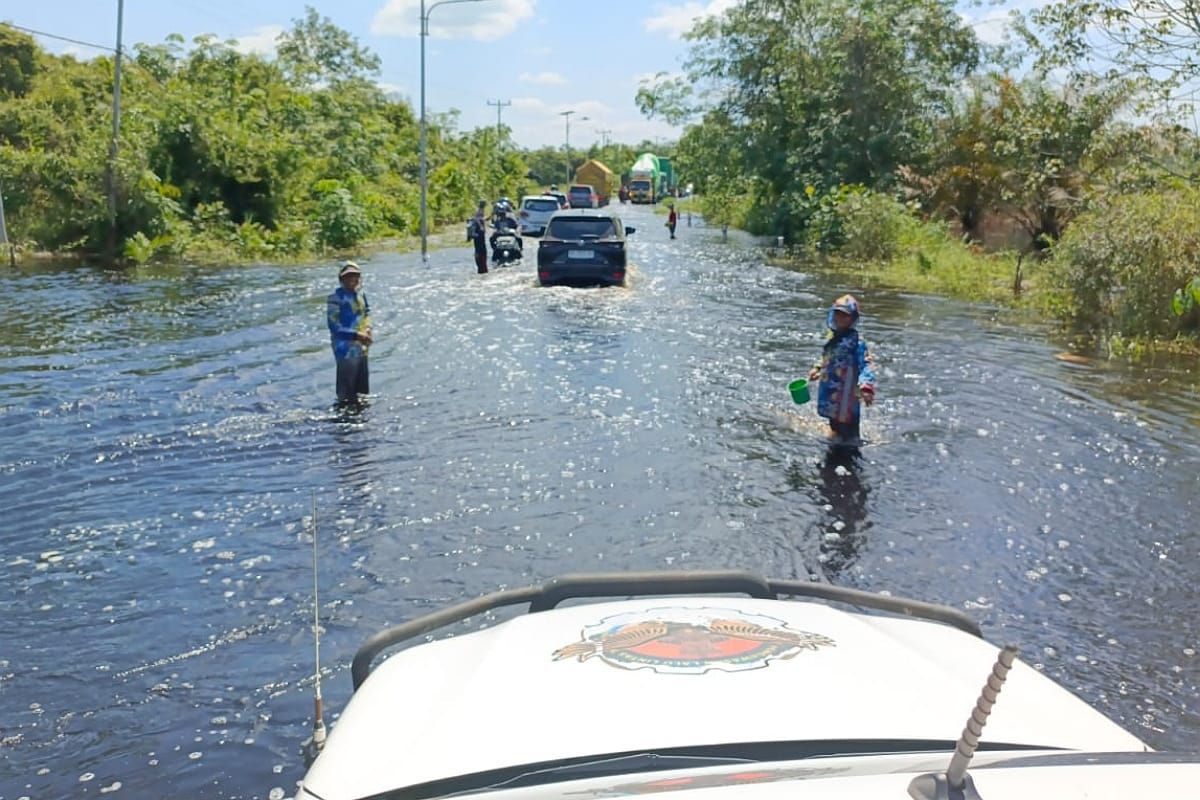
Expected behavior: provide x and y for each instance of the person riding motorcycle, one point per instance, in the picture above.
(500, 209)
(504, 223)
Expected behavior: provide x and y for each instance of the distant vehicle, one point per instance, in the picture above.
(595, 174)
(583, 247)
(536, 211)
(562, 198)
(645, 179)
(582, 195)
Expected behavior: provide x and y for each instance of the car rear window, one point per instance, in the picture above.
(541, 205)
(577, 228)
(580, 190)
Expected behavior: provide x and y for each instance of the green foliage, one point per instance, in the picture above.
(1186, 298)
(18, 62)
(342, 222)
(222, 154)
(819, 93)
(1116, 268)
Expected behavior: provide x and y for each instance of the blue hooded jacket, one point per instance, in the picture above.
(845, 366)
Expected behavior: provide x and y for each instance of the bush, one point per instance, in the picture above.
(342, 222)
(1116, 269)
(872, 226)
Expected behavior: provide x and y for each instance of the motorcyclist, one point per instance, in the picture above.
(504, 222)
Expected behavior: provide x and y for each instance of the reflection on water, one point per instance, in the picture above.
(844, 499)
(162, 431)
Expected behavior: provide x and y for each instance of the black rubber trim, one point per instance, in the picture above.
(594, 766)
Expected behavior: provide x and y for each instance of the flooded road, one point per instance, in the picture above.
(163, 430)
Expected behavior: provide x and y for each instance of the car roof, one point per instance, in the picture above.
(539, 197)
(585, 213)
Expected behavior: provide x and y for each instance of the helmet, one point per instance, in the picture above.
(846, 303)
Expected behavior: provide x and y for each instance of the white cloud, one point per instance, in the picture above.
(992, 29)
(544, 78)
(261, 41)
(392, 90)
(482, 21)
(675, 21)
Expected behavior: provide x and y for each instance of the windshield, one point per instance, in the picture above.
(541, 205)
(581, 228)
(640, 184)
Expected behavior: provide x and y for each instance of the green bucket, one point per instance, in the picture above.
(799, 390)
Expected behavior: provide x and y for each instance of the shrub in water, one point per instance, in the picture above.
(1116, 269)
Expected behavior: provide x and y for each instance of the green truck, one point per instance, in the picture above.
(651, 178)
(645, 179)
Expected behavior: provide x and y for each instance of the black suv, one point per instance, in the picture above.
(583, 247)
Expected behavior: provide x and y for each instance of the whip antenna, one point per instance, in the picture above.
(318, 736)
(955, 783)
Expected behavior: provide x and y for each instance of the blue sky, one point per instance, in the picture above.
(545, 56)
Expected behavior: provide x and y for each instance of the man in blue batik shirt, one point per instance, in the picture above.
(350, 334)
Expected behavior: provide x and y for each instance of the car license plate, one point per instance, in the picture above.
(581, 254)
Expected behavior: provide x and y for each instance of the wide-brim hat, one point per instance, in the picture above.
(349, 268)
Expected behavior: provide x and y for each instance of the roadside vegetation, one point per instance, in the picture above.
(226, 156)
(886, 139)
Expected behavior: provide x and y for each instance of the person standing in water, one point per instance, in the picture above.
(845, 373)
(672, 219)
(477, 232)
(349, 319)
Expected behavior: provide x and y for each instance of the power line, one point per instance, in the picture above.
(60, 38)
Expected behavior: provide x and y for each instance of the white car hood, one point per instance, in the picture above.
(658, 673)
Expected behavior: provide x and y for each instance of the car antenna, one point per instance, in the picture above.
(318, 734)
(955, 784)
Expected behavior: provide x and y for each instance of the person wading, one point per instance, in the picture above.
(477, 232)
(349, 320)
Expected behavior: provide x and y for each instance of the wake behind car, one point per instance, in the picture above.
(583, 247)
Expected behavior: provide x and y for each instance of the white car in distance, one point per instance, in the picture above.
(535, 213)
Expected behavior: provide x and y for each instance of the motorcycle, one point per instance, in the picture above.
(506, 247)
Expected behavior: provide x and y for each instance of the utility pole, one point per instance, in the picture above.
(499, 104)
(425, 12)
(567, 116)
(604, 132)
(12, 253)
(116, 135)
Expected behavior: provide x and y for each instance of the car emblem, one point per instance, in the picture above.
(690, 641)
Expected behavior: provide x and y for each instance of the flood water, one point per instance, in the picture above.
(163, 432)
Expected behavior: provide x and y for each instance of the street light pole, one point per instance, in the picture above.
(116, 138)
(425, 12)
(567, 116)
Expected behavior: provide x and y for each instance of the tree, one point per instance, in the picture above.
(821, 92)
(1156, 40)
(315, 51)
(18, 61)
